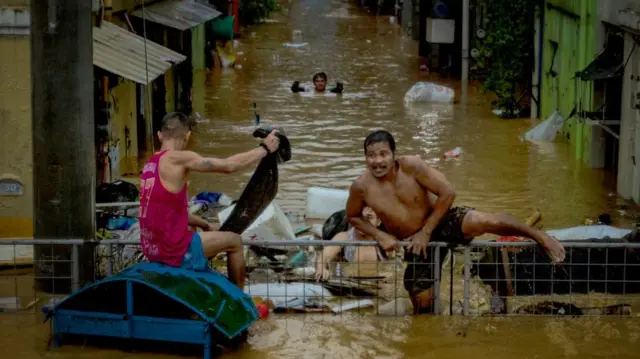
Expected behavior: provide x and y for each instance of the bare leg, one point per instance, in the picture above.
(218, 242)
(477, 223)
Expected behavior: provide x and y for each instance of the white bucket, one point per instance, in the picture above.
(323, 202)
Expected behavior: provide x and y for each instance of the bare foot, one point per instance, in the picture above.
(553, 247)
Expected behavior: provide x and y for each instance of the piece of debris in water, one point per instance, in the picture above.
(356, 304)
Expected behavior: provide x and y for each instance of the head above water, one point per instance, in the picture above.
(176, 130)
(380, 153)
(320, 81)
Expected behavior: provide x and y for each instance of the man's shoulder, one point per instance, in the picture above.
(178, 157)
(360, 184)
(411, 164)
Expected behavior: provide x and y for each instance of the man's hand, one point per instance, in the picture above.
(322, 273)
(419, 243)
(210, 227)
(388, 242)
(272, 141)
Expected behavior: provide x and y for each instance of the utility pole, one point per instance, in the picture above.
(64, 164)
(465, 51)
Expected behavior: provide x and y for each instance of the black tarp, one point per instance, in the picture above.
(261, 189)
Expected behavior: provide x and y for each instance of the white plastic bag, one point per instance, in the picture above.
(547, 130)
(429, 92)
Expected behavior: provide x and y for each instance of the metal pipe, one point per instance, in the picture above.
(535, 77)
(118, 204)
(323, 243)
(467, 277)
(436, 288)
(31, 241)
(465, 51)
(75, 268)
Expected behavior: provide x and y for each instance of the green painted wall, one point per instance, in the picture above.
(576, 39)
(197, 47)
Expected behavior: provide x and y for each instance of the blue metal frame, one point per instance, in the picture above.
(131, 326)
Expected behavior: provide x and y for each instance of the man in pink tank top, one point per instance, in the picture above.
(164, 216)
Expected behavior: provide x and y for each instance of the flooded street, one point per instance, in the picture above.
(497, 172)
(377, 65)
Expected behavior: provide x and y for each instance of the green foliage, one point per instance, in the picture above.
(507, 48)
(254, 11)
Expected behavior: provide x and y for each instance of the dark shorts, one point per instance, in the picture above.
(419, 275)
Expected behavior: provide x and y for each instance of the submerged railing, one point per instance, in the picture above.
(505, 278)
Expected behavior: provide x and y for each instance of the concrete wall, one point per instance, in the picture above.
(15, 136)
(170, 86)
(123, 127)
(629, 150)
(198, 43)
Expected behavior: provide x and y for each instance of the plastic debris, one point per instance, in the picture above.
(295, 45)
(356, 304)
(429, 92)
(547, 130)
(284, 294)
(454, 153)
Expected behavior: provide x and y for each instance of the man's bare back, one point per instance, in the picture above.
(402, 205)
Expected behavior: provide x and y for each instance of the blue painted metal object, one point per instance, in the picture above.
(156, 302)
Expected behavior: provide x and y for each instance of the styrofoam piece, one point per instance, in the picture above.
(588, 232)
(272, 224)
(356, 304)
(323, 202)
(280, 293)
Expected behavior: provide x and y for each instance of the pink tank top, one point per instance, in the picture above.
(164, 218)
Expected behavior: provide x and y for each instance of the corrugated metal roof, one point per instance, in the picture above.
(123, 53)
(178, 14)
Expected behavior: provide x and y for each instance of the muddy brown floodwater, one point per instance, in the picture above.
(497, 172)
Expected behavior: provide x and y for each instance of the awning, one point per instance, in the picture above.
(178, 14)
(608, 64)
(123, 53)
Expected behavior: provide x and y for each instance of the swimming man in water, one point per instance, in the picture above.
(164, 219)
(319, 84)
(415, 203)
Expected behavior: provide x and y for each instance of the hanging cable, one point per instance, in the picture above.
(146, 66)
(147, 90)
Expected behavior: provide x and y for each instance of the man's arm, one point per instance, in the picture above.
(194, 162)
(338, 89)
(435, 182)
(296, 87)
(355, 205)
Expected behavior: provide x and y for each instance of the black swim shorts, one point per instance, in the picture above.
(419, 275)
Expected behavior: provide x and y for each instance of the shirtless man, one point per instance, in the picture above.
(414, 202)
(164, 219)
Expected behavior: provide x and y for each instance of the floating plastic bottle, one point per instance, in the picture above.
(454, 153)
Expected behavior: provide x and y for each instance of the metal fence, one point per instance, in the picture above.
(505, 278)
